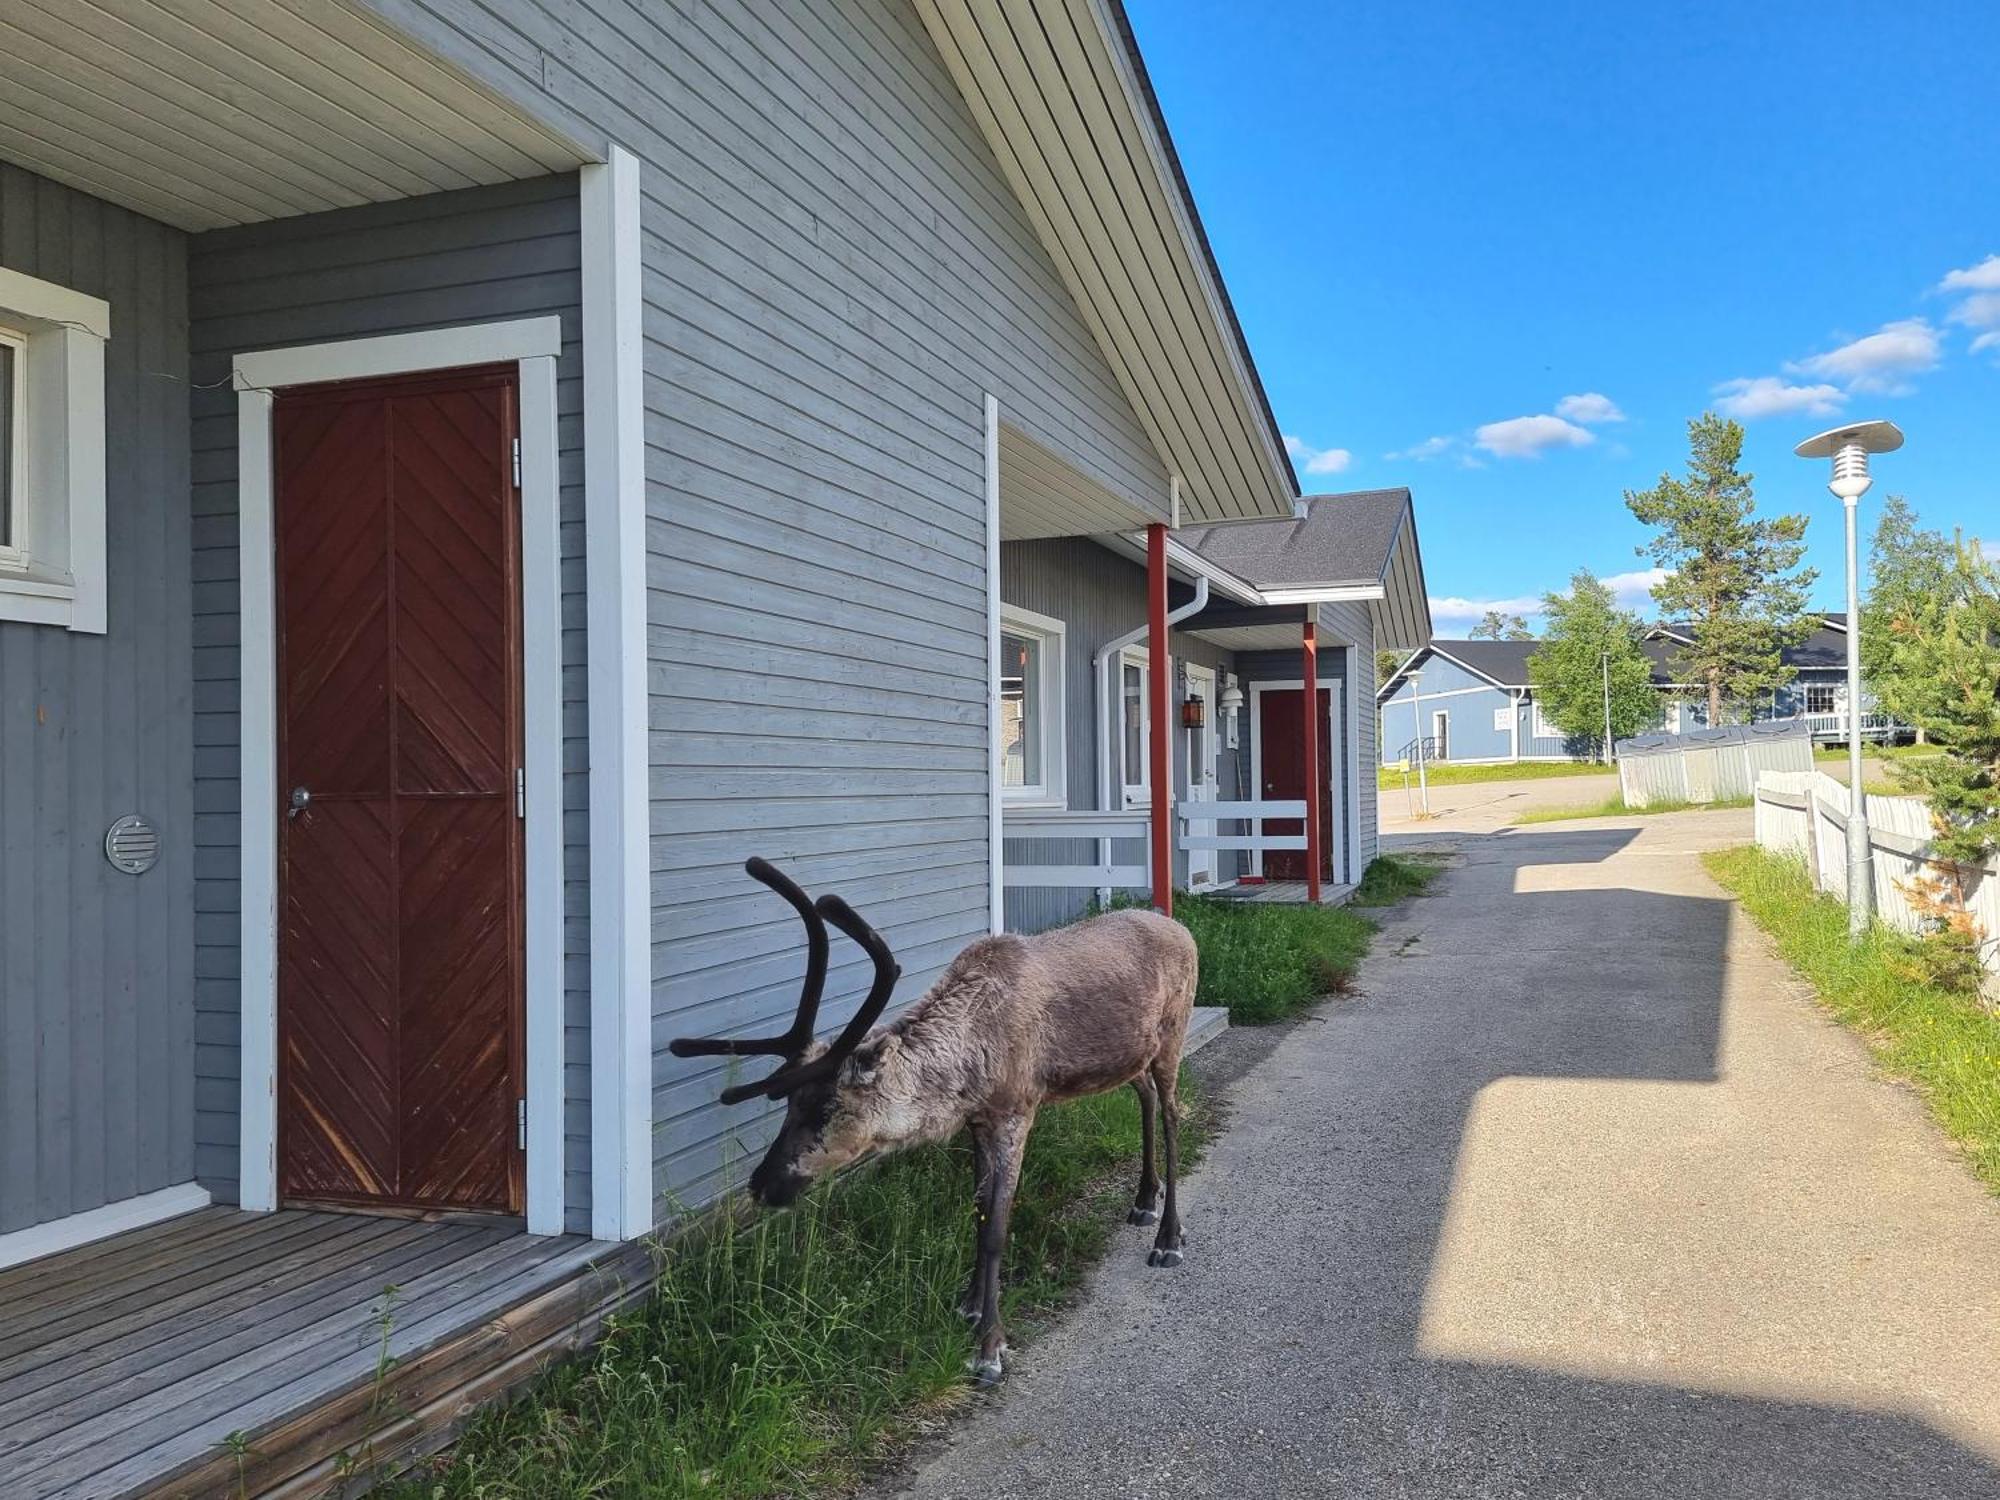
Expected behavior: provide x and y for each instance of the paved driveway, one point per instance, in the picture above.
(1579, 1197)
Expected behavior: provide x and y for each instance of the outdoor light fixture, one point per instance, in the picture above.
(1194, 713)
(1849, 447)
(1231, 704)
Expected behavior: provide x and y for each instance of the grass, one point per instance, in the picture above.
(1267, 962)
(1945, 1044)
(1875, 752)
(1392, 878)
(1614, 807)
(1527, 770)
(790, 1352)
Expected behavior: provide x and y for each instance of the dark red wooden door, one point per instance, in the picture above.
(399, 957)
(1282, 756)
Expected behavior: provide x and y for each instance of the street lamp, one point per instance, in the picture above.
(1849, 447)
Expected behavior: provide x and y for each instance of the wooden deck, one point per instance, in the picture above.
(127, 1365)
(1286, 893)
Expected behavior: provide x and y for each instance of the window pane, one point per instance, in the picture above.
(9, 376)
(1020, 710)
(1135, 722)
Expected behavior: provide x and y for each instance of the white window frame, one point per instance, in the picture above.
(1833, 697)
(1134, 794)
(13, 548)
(52, 569)
(1051, 684)
(1539, 726)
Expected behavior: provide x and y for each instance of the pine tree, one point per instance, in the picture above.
(1906, 565)
(1500, 626)
(1568, 669)
(1733, 579)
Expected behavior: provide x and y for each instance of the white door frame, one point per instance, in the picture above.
(1331, 739)
(1201, 684)
(1441, 720)
(532, 345)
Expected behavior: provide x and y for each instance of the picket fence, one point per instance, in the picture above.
(1804, 814)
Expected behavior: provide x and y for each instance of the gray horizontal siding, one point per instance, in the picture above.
(97, 1023)
(1099, 596)
(835, 272)
(474, 256)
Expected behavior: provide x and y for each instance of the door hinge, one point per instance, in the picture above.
(520, 791)
(521, 1124)
(517, 463)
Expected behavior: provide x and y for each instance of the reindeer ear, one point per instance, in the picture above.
(865, 1061)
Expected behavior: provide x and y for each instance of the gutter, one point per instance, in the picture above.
(1100, 662)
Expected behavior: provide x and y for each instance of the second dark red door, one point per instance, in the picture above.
(399, 983)
(1282, 755)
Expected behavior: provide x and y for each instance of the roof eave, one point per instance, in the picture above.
(1058, 91)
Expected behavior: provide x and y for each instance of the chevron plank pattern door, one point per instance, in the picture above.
(400, 943)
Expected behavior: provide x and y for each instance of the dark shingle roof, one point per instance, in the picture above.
(1342, 539)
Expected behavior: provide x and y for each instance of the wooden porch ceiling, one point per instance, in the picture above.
(203, 113)
(126, 1363)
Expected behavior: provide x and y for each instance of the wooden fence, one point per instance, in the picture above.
(1804, 814)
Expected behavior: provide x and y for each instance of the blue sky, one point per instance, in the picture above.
(1437, 220)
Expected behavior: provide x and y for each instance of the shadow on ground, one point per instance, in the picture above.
(1340, 1330)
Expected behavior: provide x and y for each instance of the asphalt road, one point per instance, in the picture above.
(1579, 1196)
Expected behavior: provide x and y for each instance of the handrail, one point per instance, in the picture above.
(1253, 813)
(1098, 829)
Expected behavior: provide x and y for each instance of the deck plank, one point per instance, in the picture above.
(84, 1377)
(188, 1419)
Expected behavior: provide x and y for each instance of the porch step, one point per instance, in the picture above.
(1208, 1023)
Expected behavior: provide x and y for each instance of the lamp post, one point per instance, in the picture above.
(1605, 657)
(1849, 447)
(1417, 720)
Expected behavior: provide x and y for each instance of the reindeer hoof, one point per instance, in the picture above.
(1142, 1216)
(986, 1373)
(1164, 1259)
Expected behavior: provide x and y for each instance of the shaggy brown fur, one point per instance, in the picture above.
(1014, 1023)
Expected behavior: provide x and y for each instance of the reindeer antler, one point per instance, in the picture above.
(887, 972)
(800, 1036)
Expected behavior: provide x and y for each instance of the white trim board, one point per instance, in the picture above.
(614, 508)
(532, 343)
(66, 1233)
(996, 846)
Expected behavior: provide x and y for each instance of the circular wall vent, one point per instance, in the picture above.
(132, 845)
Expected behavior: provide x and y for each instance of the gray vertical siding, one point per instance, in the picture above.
(1098, 596)
(466, 257)
(1355, 623)
(835, 272)
(97, 1090)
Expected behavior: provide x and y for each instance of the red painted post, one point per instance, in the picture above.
(1309, 664)
(1158, 683)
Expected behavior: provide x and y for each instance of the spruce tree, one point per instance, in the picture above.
(1734, 580)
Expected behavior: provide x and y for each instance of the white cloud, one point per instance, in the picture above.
(1984, 277)
(1986, 341)
(1453, 609)
(1317, 460)
(1635, 590)
(1768, 396)
(1530, 437)
(1428, 449)
(1589, 408)
(1880, 362)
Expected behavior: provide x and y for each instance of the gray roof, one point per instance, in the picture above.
(1341, 539)
(1824, 650)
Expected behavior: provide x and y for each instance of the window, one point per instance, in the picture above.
(1823, 698)
(1031, 708)
(13, 452)
(51, 453)
(1542, 729)
(1135, 730)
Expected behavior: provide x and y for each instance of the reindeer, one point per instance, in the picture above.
(1013, 1024)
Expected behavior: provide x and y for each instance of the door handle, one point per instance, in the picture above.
(299, 798)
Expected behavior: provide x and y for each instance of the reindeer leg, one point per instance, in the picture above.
(1167, 1244)
(1149, 1183)
(982, 1203)
(1009, 1139)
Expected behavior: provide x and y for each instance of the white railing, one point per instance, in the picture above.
(1098, 871)
(1253, 813)
(1874, 726)
(1803, 814)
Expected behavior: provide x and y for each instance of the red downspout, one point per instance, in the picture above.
(1309, 663)
(1157, 691)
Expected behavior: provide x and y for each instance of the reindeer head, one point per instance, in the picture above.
(831, 1115)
